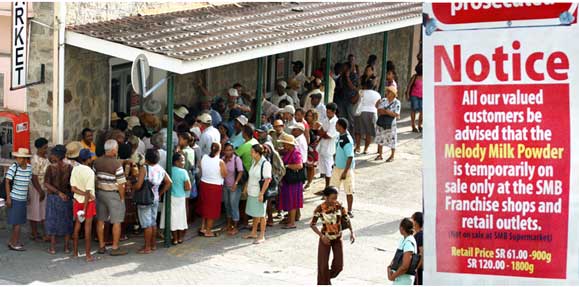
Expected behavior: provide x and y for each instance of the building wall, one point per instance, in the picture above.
(89, 12)
(41, 52)
(86, 91)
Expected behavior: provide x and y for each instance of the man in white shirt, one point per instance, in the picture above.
(288, 117)
(298, 67)
(209, 134)
(279, 95)
(327, 146)
(317, 84)
(302, 144)
(319, 106)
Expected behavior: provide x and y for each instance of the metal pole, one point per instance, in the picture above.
(327, 73)
(142, 85)
(259, 92)
(170, 90)
(384, 61)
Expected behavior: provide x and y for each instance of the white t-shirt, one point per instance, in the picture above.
(83, 178)
(327, 147)
(321, 108)
(368, 101)
(162, 158)
(211, 170)
(208, 137)
(303, 147)
(253, 188)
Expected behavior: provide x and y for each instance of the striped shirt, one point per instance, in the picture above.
(20, 180)
(109, 174)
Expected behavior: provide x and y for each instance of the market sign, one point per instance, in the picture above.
(501, 177)
(19, 41)
(478, 15)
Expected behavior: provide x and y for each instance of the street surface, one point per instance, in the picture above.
(385, 193)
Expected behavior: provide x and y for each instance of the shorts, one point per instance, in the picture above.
(416, 104)
(17, 213)
(347, 183)
(325, 164)
(90, 209)
(148, 214)
(110, 207)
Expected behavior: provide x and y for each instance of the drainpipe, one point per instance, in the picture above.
(327, 73)
(61, 18)
(384, 61)
(170, 100)
(259, 92)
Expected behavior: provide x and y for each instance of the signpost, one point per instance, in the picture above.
(19, 44)
(501, 178)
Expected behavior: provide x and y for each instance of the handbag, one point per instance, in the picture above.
(358, 104)
(4, 182)
(295, 176)
(398, 257)
(145, 195)
(272, 190)
(385, 121)
(194, 191)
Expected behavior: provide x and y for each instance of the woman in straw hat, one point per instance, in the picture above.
(389, 106)
(59, 200)
(291, 196)
(17, 180)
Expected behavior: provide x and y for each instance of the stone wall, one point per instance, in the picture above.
(86, 91)
(41, 49)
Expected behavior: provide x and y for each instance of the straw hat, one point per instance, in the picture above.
(73, 149)
(152, 106)
(392, 89)
(22, 152)
(287, 139)
(114, 117)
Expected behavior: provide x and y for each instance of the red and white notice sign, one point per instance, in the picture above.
(501, 143)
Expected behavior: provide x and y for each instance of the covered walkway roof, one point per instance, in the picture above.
(193, 40)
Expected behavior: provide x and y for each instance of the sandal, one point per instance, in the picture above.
(102, 250)
(259, 241)
(214, 234)
(289, 227)
(118, 252)
(249, 236)
(414, 130)
(16, 248)
(379, 158)
(51, 252)
(179, 241)
(143, 251)
(390, 159)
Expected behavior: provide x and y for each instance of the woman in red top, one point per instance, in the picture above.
(414, 94)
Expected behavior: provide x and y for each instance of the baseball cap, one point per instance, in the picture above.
(233, 92)
(85, 154)
(242, 120)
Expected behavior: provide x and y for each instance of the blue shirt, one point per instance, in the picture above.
(179, 176)
(344, 150)
(20, 178)
(215, 117)
(237, 140)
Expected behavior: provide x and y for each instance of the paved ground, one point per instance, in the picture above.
(386, 192)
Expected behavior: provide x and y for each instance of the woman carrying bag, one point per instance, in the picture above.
(260, 176)
(403, 267)
(291, 197)
(386, 132)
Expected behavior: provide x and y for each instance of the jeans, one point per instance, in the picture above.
(231, 200)
(148, 214)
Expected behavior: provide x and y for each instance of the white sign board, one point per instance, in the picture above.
(19, 41)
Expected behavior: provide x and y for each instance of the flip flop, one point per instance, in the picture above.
(118, 252)
(289, 227)
(379, 158)
(102, 250)
(180, 242)
(215, 234)
(249, 236)
(390, 160)
(259, 241)
(143, 251)
(93, 259)
(51, 252)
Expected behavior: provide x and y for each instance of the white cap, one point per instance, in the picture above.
(205, 118)
(289, 109)
(181, 112)
(282, 83)
(299, 126)
(242, 120)
(233, 93)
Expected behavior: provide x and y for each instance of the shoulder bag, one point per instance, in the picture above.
(272, 190)
(145, 195)
(398, 257)
(4, 182)
(385, 121)
(295, 176)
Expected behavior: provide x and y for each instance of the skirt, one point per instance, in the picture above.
(17, 213)
(58, 216)
(366, 124)
(36, 210)
(291, 196)
(209, 203)
(387, 138)
(178, 214)
(254, 208)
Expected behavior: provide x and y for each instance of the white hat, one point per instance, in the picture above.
(242, 120)
(196, 131)
(22, 152)
(298, 126)
(205, 118)
(233, 93)
(282, 83)
(289, 109)
(181, 112)
(152, 106)
(132, 122)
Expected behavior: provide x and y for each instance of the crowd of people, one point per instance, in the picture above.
(220, 158)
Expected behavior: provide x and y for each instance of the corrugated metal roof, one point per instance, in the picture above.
(227, 29)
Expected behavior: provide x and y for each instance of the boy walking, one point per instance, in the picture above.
(18, 178)
(82, 182)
